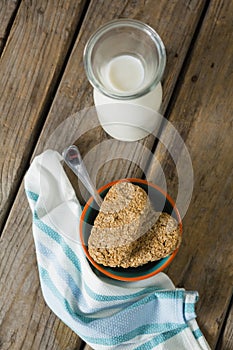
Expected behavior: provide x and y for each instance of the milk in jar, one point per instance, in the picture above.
(127, 120)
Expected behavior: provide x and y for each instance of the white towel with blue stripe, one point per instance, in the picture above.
(106, 314)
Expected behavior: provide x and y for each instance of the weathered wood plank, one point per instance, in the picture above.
(7, 12)
(29, 71)
(203, 116)
(74, 93)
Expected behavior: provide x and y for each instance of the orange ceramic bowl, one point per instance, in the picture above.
(161, 202)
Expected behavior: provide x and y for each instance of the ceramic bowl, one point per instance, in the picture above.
(161, 202)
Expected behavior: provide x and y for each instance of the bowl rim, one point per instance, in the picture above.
(95, 264)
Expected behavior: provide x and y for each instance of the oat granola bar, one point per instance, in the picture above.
(128, 232)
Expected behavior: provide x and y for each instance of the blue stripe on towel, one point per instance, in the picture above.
(161, 338)
(197, 333)
(173, 295)
(146, 329)
(32, 195)
(49, 283)
(58, 238)
(107, 298)
(189, 308)
(144, 292)
(65, 276)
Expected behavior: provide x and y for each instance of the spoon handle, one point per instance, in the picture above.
(73, 159)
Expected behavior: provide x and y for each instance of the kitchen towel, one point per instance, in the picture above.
(105, 313)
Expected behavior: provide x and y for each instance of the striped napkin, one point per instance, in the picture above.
(106, 314)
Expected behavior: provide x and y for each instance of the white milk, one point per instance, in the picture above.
(124, 73)
(127, 120)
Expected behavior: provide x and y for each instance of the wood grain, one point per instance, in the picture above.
(7, 13)
(19, 286)
(203, 116)
(29, 71)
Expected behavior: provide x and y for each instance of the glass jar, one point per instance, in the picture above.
(124, 61)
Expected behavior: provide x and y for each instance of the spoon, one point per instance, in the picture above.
(73, 159)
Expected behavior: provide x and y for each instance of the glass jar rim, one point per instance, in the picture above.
(87, 55)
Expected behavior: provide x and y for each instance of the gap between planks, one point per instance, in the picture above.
(6, 20)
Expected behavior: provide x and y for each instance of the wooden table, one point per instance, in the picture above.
(43, 83)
